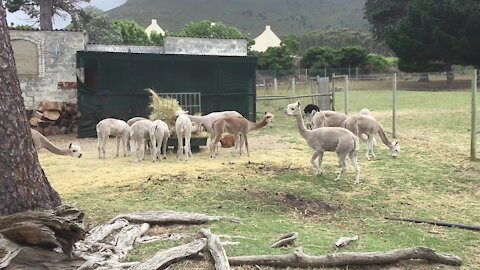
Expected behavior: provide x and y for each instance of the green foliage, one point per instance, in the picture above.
(99, 27)
(157, 39)
(377, 63)
(292, 43)
(320, 57)
(132, 33)
(436, 34)
(206, 28)
(61, 8)
(276, 58)
(383, 13)
(352, 56)
(23, 27)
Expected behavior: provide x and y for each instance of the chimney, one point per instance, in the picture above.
(267, 27)
(154, 21)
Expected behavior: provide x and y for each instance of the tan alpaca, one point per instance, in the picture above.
(328, 119)
(159, 134)
(139, 134)
(366, 124)
(132, 120)
(183, 128)
(237, 126)
(112, 127)
(328, 139)
(40, 141)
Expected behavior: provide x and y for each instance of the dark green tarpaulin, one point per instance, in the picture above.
(114, 84)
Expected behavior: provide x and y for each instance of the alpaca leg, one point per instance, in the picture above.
(246, 144)
(354, 158)
(153, 147)
(99, 145)
(314, 163)
(126, 145)
(189, 148)
(180, 146)
(104, 145)
(133, 149)
(164, 146)
(343, 165)
(372, 147)
(369, 145)
(118, 145)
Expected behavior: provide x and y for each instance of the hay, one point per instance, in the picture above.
(163, 108)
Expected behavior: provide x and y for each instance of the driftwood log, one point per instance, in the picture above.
(302, 260)
(216, 249)
(437, 223)
(164, 258)
(170, 217)
(285, 240)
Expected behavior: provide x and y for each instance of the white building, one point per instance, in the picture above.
(154, 27)
(266, 40)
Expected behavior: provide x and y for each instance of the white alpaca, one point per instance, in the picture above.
(112, 127)
(183, 128)
(366, 124)
(159, 134)
(328, 139)
(207, 122)
(132, 120)
(328, 119)
(139, 134)
(40, 141)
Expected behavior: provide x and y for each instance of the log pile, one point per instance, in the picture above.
(52, 118)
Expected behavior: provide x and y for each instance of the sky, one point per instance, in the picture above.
(58, 23)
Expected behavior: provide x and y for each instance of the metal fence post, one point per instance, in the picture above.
(346, 94)
(394, 106)
(333, 91)
(473, 143)
(275, 85)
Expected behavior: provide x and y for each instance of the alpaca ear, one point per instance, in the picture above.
(265, 112)
(70, 146)
(298, 102)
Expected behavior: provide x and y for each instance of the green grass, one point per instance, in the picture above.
(432, 179)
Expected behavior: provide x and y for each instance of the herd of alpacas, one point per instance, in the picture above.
(324, 131)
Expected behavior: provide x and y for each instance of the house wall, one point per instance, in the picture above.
(46, 64)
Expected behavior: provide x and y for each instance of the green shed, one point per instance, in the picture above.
(113, 84)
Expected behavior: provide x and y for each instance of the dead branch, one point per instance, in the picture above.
(299, 259)
(437, 223)
(100, 232)
(285, 240)
(216, 249)
(170, 217)
(166, 257)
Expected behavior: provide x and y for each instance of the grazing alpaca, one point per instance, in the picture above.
(366, 124)
(183, 128)
(132, 120)
(330, 139)
(112, 127)
(239, 127)
(139, 133)
(309, 111)
(159, 134)
(227, 141)
(328, 119)
(40, 141)
(207, 120)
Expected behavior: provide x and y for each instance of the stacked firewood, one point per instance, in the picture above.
(52, 118)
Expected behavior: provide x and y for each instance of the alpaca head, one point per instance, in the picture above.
(365, 111)
(293, 108)
(75, 150)
(395, 149)
(269, 117)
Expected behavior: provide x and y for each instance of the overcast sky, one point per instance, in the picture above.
(21, 18)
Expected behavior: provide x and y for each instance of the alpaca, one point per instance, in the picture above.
(40, 141)
(330, 139)
(328, 119)
(227, 141)
(309, 111)
(159, 134)
(139, 133)
(112, 127)
(239, 127)
(366, 124)
(183, 128)
(207, 121)
(132, 120)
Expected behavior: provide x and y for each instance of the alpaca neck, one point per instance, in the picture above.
(253, 126)
(301, 127)
(384, 138)
(54, 149)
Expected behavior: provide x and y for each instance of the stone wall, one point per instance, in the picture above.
(46, 64)
(205, 46)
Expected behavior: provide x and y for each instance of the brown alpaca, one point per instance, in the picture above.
(227, 141)
(237, 126)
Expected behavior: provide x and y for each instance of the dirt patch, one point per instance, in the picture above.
(267, 168)
(307, 207)
(178, 178)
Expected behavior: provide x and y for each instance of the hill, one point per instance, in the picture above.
(249, 16)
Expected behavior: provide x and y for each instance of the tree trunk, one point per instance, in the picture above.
(450, 76)
(23, 184)
(46, 14)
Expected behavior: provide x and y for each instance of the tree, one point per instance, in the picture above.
(277, 58)
(44, 10)
(437, 34)
(157, 39)
(352, 56)
(384, 13)
(319, 58)
(210, 29)
(98, 25)
(292, 43)
(23, 184)
(132, 33)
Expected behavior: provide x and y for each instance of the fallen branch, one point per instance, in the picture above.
(299, 259)
(164, 258)
(216, 249)
(437, 223)
(170, 217)
(100, 232)
(285, 240)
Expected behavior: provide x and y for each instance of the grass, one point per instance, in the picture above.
(432, 179)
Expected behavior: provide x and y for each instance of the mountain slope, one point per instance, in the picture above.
(249, 16)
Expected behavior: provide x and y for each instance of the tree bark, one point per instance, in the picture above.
(46, 14)
(23, 184)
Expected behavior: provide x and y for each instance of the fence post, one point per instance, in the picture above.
(275, 85)
(333, 91)
(394, 106)
(293, 86)
(473, 144)
(346, 94)
(356, 74)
